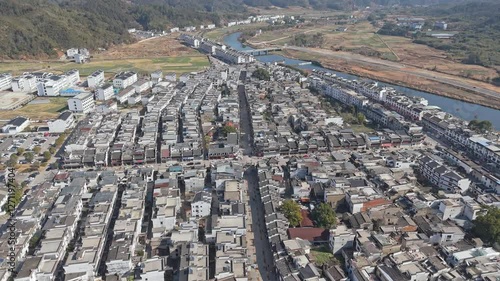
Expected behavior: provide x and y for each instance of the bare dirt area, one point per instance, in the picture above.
(164, 46)
(425, 57)
(361, 38)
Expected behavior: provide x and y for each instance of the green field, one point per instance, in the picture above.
(41, 111)
(141, 65)
(322, 255)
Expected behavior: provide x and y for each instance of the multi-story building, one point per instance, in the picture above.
(72, 77)
(439, 175)
(105, 92)
(124, 79)
(95, 79)
(341, 237)
(201, 205)
(51, 85)
(5, 81)
(157, 76)
(65, 121)
(82, 103)
(24, 83)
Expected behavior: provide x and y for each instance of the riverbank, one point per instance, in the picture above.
(397, 77)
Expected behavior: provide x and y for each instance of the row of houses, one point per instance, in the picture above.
(44, 83)
(220, 51)
(57, 228)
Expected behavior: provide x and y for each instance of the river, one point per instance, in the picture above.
(464, 110)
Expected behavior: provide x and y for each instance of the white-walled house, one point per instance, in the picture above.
(201, 205)
(95, 79)
(124, 79)
(15, 125)
(105, 92)
(65, 121)
(24, 83)
(82, 103)
(5, 81)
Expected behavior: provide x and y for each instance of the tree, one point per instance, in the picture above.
(37, 149)
(13, 200)
(20, 151)
(485, 125)
(496, 81)
(480, 126)
(261, 74)
(473, 124)
(60, 140)
(291, 210)
(324, 216)
(46, 156)
(28, 156)
(473, 58)
(52, 150)
(487, 226)
(228, 129)
(361, 118)
(12, 160)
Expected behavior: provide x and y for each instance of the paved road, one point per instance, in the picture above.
(246, 134)
(427, 74)
(264, 253)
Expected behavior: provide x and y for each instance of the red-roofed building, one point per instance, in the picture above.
(62, 178)
(306, 219)
(374, 203)
(311, 234)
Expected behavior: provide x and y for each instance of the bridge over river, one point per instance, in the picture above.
(261, 52)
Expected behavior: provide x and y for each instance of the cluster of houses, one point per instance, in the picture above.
(412, 115)
(78, 55)
(271, 19)
(218, 50)
(197, 120)
(390, 228)
(44, 83)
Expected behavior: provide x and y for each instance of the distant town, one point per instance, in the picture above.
(243, 171)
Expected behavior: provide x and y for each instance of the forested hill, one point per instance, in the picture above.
(31, 28)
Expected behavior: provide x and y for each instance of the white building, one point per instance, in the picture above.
(141, 86)
(133, 99)
(171, 76)
(53, 84)
(105, 92)
(72, 77)
(124, 79)
(107, 107)
(200, 207)
(441, 176)
(5, 81)
(124, 94)
(70, 53)
(24, 83)
(80, 58)
(191, 40)
(450, 209)
(95, 79)
(65, 121)
(153, 269)
(341, 237)
(16, 125)
(82, 103)
(157, 76)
